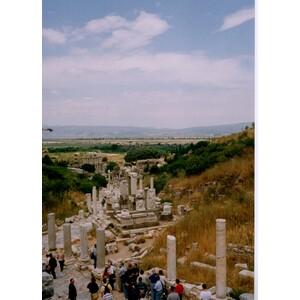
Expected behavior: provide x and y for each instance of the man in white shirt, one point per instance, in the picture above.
(205, 294)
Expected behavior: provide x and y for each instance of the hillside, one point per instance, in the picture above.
(89, 132)
(225, 190)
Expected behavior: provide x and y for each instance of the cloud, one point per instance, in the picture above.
(54, 36)
(237, 18)
(136, 34)
(106, 24)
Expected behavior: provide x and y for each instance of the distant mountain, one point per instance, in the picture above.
(121, 132)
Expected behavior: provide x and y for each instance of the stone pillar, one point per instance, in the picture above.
(171, 260)
(83, 243)
(100, 236)
(88, 199)
(81, 214)
(94, 196)
(133, 183)
(141, 183)
(51, 232)
(221, 258)
(67, 239)
(151, 182)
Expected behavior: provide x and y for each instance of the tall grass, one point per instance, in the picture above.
(63, 209)
(225, 191)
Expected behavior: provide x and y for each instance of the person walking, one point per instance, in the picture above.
(105, 286)
(93, 288)
(158, 287)
(111, 275)
(173, 295)
(94, 255)
(72, 290)
(205, 294)
(53, 265)
(61, 259)
(179, 288)
(153, 279)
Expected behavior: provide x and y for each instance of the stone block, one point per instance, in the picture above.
(187, 288)
(246, 274)
(241, 266)
(246, 296)
(203, 266)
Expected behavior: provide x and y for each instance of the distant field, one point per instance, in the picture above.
(93, 142)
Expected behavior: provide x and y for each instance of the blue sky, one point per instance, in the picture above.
(172, 64)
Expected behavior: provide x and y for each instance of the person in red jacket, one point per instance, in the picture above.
(179, 288)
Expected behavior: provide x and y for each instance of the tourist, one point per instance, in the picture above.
(179, 288)
(53, 265)
(162, 277)
(158, 287)
(153, 279)
(135, 272)
(72, 290)
(141, 285)
(124, 279)
(144, 277)
(94, 255)
(107, 294)
(205, 294)
(143, 296)
(111, 274)
(61, 259)
(105, 286)
(173, 295)
(93, 288)
(132, 291)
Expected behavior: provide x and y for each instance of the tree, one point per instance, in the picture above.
(88, 168)
(110, 166)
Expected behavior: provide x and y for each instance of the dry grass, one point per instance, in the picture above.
(66, 208)
(225, 191)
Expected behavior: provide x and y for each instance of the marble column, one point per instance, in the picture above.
(67, 239)
(51, 232)
(94, 196)
(133, 183)
(151, 182)
(83, 243)
(88, 199)
(141, 183)
(100, 236)
(171, 260)
(221, 258)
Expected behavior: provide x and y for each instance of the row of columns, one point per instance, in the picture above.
(84, 256)
(171, 250)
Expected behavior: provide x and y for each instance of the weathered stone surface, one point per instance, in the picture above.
(247, 296)
(246, 274)
(182, 260)
(200, 265)
(241, 266)
(47, 285)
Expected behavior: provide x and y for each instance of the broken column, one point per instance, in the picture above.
(100, 236)
(51, 232)
(151, 182)
(171, 260)
(83, 243)
(133, 183)
(221, 258)
(94, 196)
(88, 197)
(67, 239)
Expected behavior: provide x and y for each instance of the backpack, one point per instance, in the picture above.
(106, 289)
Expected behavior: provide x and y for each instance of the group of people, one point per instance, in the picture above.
(135, 284)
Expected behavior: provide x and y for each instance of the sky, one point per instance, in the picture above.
(163, 64)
